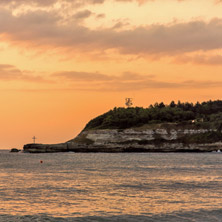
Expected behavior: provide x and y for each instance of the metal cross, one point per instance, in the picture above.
(34, 138)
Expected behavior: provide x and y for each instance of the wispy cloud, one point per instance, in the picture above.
(121, 86)
(82, 14)
(84, 81)
(11, 73)
(98, 82)
(82, 76)
(201, 59)
(96, 76)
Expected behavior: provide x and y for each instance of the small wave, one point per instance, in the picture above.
(211, 185)
(183, 216)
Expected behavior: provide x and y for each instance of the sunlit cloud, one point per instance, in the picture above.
(42, 28)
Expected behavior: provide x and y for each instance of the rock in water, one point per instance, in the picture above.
(14, 150)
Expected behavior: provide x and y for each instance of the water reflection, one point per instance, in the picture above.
(83, 185)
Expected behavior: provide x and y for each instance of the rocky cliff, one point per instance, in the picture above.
(168, 138)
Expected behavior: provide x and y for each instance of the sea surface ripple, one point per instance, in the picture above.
(110, 187)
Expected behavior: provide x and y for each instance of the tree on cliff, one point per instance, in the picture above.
(120, 118)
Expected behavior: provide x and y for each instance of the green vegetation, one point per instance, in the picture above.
(207, 115)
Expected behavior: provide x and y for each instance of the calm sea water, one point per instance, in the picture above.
(111, 187)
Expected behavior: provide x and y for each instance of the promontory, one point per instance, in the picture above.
(176, 127)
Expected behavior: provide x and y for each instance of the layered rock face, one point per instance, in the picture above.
(136, 140)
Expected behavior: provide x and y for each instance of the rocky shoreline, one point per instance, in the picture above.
(135, 140)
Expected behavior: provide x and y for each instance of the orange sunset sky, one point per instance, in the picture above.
(63, 62)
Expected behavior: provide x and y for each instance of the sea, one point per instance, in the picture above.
(110, 187)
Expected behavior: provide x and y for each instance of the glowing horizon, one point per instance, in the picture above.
(64, 62)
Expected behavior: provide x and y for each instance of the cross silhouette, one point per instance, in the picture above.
(34, 138)
(129, 102)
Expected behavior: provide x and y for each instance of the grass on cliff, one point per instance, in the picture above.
(200, 115)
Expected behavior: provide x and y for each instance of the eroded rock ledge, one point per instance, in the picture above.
(137, 140)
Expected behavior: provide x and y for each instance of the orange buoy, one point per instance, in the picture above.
(41, 161)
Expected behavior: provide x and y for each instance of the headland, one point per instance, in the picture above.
(177, 127)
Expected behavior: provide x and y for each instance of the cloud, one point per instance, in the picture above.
(129, 86)
(201, 59)
(127, 81)
(43, 28)
(82, 14)
(45, 3)
(94, 81)
(28, 2)
(120, 25)
(176, 38)
(100, 16)
(75, 3)
(121, 86)
(98, 77)
(82, 76)
(10, 72)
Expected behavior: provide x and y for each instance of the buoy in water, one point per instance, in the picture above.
(41, 161)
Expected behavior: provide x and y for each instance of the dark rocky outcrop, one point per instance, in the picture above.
(45, 148)
(14, 150)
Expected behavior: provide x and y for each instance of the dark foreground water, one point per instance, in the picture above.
(111, 187)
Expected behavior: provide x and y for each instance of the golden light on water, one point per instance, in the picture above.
(82, 185)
